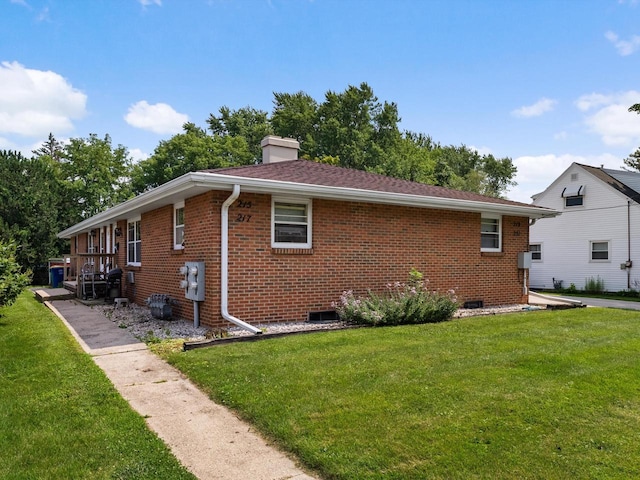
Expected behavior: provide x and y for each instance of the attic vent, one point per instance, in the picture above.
(574, 177)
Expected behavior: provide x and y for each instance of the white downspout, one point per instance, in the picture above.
(224, 263)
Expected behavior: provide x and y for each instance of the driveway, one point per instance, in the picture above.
(601, 302)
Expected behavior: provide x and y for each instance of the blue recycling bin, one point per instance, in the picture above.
(57, 276)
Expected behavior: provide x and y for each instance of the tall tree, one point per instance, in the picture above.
(296, 116)
(96, 176)
(251, 124)
(188, 152)
(30, 194)
(355, 127)
(52, 148)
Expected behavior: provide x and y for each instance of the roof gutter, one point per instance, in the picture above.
(260, 185)
(224, 263)
(193, 183)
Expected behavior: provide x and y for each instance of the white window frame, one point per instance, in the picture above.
(591, 251)
(491, 216)
(539, 244)
(309, 222)
(573, 198)
(136, 243)
(178, 244)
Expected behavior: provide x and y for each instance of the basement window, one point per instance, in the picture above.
(290, 223)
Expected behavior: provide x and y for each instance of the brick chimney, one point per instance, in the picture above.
(279, 149)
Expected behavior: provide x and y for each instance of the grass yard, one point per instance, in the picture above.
(60, 417)
(544, 395)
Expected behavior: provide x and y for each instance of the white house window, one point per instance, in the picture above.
(134, 242)
(536, 252)
(573, 195)
(600, 251)
(290, 223)
(491, 233)
(178, 226)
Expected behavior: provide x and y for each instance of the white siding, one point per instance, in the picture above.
(566, 238)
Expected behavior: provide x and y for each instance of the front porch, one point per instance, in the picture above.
(87, 276)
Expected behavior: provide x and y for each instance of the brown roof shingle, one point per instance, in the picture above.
(313, 173)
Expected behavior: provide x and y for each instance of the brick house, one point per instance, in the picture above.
(281, 240)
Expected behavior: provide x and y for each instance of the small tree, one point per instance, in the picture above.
(12, 280)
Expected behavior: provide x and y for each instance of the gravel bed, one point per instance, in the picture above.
(139, 321)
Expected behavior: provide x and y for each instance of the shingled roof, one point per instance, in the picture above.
(316, 180)
(626, 182)
(314, 173)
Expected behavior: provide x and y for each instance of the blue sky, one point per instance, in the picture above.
(543, 82)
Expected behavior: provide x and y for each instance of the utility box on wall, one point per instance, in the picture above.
(193, 282)
(524, 260)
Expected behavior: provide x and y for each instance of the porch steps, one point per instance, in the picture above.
(48, 294)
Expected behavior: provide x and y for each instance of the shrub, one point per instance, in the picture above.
(402, 303)
(12, 280)
(594, 285)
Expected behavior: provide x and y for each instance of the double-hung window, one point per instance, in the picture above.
(491, 233)
(600, 251)
(134, 242)
(536, 252)
(178, 226)
(290, 223)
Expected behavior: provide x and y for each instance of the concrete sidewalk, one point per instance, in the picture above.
(207, 438)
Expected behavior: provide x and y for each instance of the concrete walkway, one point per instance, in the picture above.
(205, 437)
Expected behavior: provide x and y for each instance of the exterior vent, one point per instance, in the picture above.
(473, 304)
(325, 316)
(131, 278)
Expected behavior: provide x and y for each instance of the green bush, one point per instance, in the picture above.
(12, 279)
(403, 303)
(594, 285)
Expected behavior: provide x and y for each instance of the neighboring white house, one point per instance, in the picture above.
(596, 235)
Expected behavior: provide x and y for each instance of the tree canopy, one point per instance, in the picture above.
(58, 186)
(353, 129)
(64, 183)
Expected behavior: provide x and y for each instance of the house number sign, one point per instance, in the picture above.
(516, 225)
(243, 217)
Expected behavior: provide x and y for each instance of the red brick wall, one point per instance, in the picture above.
(356, 246)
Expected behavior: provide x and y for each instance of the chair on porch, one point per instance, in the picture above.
(87, 280)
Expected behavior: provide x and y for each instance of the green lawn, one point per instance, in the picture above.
(60, 417)
(540, 395)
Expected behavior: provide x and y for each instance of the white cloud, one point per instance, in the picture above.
(481, 150)
(610, 117)
(624, 47)
(159, 118)
(536, 173)
(592, 100)
(561, 135)
(138, 155)
(35, 102)
(541, 106)
(146, 3)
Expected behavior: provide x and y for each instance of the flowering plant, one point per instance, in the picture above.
(402, 303)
